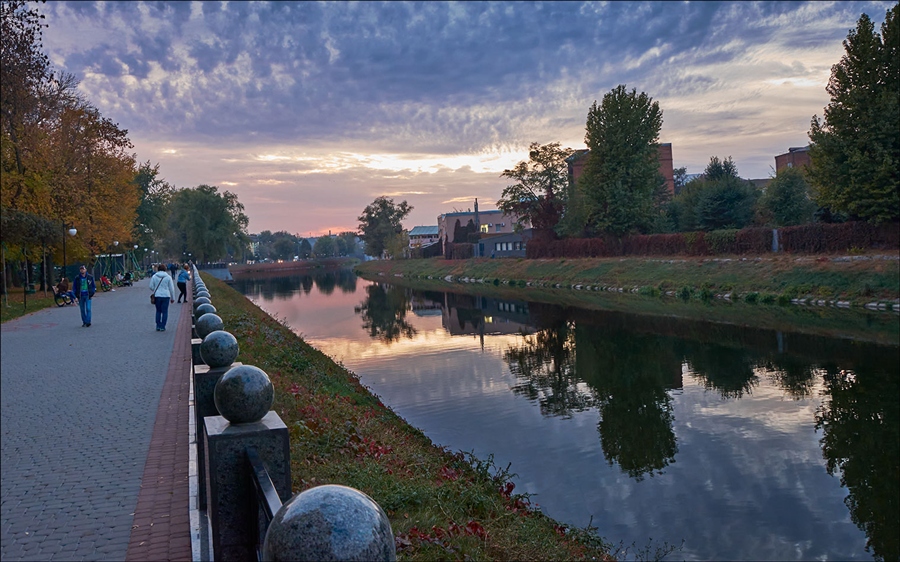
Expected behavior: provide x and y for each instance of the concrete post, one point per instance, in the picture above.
(232, 505)
(205, 379)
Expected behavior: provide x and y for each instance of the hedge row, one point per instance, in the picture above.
(459, 251)
(825, 238)
(811, 238)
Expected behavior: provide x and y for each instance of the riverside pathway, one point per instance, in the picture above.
(94, 450)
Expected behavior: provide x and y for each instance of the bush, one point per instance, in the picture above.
(840, 237)
(649, 291)
(751, 298)
(810, 238)
(684, 293)
(722, 241)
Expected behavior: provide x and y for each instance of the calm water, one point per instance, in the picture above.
(742, 443)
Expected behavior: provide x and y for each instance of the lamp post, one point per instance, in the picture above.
(71, 232)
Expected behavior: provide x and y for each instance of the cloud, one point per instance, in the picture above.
(352, 85)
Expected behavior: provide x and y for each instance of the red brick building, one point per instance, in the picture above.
(578, 159)
(796, 157)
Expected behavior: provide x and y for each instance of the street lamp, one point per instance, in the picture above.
(71, 232)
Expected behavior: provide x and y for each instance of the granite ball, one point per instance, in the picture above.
(200, 300)
(203, 293)
(205, 308)
(330, 522)
(219, 349)
(207, 324)
(244, 394)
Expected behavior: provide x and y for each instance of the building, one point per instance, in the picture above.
(578, 159)
(423, 236)
(486, 222)
(510, 245)
(796, 157)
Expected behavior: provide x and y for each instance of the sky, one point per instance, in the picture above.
(309, 111)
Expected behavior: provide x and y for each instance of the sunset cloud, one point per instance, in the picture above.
(434, 100)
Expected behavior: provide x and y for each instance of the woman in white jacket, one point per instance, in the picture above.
(163, 289)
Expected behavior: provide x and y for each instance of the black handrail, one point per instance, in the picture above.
(267, 501)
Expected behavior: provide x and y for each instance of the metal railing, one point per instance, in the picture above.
(267, 501)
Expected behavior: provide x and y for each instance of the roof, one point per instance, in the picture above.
(462, 213)
(424, 231)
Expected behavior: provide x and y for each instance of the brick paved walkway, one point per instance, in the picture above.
(94, 433)
(161, 529)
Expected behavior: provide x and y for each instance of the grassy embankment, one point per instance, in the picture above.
(766, 280)
(441, 505)
(683, 288)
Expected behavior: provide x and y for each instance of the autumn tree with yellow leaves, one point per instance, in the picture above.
(61, 162)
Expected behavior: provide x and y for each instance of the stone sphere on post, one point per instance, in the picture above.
(330, 522)
(200, 300)
(203, 293)
(244, 394)
(204, 309)
(208, 323)
(219, 349)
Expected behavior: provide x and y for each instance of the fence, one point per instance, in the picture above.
(244, 468)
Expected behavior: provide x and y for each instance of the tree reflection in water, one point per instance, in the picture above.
(859, 420)
(724, 369)
(544, 366)
(626, 376)
(384, 313)
(631, 374)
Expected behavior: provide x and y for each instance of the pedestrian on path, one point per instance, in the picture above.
(183, 277)
(163, 291)
(84, 289)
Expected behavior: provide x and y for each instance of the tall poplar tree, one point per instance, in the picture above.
(615, 194)
(855, 151)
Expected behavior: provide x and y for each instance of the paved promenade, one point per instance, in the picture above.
(94, 449)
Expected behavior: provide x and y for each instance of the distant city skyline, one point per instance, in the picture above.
(309, 111)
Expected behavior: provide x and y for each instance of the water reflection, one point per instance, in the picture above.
(384, 313)
(286, 286)
(747, 414)
(859, 420)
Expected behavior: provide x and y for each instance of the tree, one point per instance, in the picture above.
(786, 201)
(680, 178)
(205, 223)
(720, 199)
(616, 192)
(539, 194)
(285, 245)
(305, 249)
(325, 247)
(380, 222)
(855, 151)
(346, 243)
(155, 194)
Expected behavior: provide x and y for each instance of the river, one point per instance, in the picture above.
(728, 443)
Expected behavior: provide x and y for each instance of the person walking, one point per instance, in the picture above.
(163, 291)
(183, 277)
(84, 289)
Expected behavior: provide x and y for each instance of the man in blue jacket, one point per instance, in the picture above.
(84, 288)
